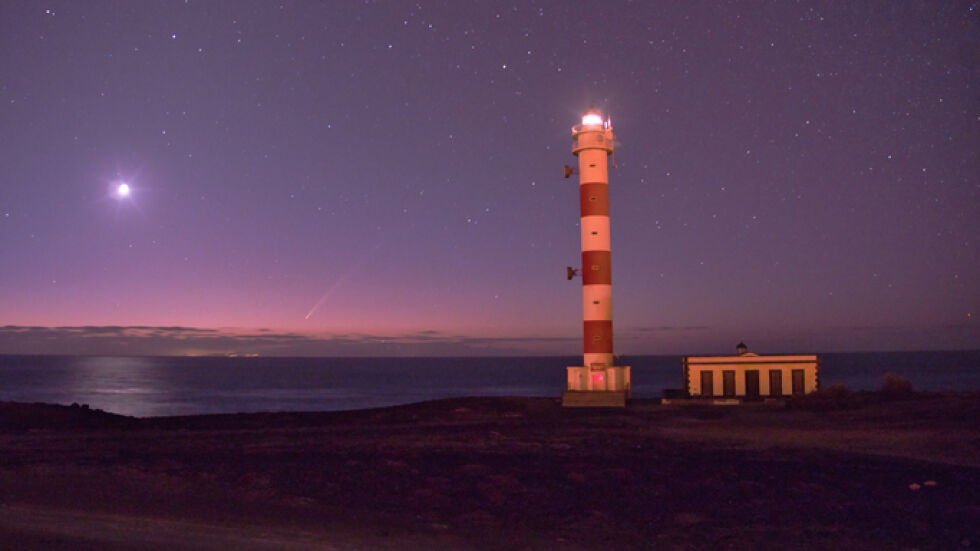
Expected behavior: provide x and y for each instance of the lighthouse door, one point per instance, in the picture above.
(599, 381)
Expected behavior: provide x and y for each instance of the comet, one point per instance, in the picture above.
(351, 272)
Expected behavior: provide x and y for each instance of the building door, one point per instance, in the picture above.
(728, 383)
(707, 388)
(752, 384)
(598, 381)
(775, 382)
(798, 385)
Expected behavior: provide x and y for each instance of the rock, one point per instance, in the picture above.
(480, 516)
(474, 468)
(688, 519)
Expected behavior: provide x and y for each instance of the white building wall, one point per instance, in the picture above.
(740, 364)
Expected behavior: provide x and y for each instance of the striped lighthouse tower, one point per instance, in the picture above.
(598, 382)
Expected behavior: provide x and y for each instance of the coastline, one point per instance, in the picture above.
(167, 386)
(499, 473)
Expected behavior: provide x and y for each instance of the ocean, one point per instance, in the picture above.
(161, 386)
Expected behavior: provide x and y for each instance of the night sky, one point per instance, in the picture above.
(386, 177)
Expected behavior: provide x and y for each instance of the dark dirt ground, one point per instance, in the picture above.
(863, 472)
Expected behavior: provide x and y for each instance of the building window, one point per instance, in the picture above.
(728, 384)
(706, 383)
(775, 382)
(595, 302)
(751, 383)
(799, 387)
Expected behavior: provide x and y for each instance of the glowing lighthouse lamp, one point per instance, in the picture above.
(597, 382)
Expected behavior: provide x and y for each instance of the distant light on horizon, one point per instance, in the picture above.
(123, 190)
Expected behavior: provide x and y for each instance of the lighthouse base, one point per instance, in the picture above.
(593, 399)
(597, 386)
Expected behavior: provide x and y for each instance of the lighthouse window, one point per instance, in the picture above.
(595, 233)
(592, 165)
(593, 198)
(595, 267)
(595, 302)
(596, 338)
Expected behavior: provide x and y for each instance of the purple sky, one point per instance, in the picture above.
(385, 177)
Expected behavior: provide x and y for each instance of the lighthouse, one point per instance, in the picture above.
(598, 382)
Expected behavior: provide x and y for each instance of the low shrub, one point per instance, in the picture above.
(896, 386)
(833, 397)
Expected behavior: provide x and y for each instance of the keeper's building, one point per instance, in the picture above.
(750, 376)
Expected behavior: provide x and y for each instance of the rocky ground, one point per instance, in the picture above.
(835, 471)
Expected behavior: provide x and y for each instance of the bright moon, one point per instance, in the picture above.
(123, 190)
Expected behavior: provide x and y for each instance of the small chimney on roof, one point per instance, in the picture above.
(741, 349)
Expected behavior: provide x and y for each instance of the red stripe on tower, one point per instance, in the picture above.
(598, 336)
(594, 199)
(596, 268)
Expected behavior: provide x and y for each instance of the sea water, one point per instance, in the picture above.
(157, 386)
